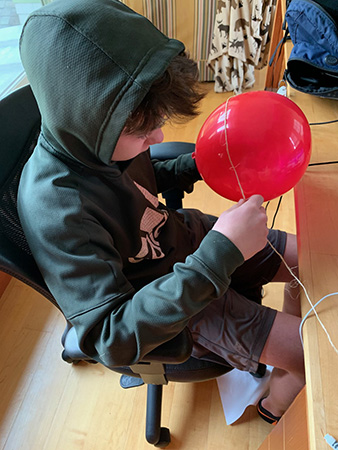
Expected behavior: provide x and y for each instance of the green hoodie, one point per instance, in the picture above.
(127, 272)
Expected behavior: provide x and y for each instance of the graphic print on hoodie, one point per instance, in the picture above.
(151, 223)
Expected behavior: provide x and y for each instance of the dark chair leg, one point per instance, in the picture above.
(156, 435)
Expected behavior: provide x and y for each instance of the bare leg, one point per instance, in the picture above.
(291, 303)
(283, 349)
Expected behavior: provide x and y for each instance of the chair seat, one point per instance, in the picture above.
(193, 370)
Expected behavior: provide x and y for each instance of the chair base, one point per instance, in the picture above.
(155, 434)
(165, 439)
(127, 382)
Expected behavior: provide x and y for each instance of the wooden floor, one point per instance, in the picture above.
(46, 404)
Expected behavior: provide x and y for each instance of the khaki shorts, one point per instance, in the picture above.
(234, 328)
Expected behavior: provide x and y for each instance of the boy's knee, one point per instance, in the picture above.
(290, 262)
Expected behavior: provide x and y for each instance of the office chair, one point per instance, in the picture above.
(20, 127)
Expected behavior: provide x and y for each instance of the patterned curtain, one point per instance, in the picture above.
(240, 42)
(190, 21)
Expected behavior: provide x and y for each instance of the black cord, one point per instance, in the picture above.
(276, 212)
(312, 164)
(281, 197)
(323, 163)
(323, 123)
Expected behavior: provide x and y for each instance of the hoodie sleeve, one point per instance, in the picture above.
(180, 172)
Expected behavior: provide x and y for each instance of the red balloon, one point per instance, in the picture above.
(257, 142)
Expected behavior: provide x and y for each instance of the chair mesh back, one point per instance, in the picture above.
(9, 219)
(20, 123)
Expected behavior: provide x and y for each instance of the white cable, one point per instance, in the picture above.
(309, 300)
(313, 309)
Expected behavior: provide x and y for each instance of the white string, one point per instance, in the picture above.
(227, 147)
(313, 307)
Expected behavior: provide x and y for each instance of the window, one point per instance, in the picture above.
(13, 14)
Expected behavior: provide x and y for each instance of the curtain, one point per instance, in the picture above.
(190, 21)
(240, 43)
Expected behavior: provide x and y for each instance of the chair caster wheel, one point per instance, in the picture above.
(68, 359)
(65, 356)
(164, 440)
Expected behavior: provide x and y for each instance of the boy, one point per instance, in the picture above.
(127, 272)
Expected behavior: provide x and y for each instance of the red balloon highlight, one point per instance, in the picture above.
(257, 142)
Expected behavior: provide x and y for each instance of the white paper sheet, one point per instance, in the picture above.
(239, 389)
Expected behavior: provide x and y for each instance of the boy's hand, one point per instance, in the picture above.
(245, 224)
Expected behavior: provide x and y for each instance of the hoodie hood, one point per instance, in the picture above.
(90, 63)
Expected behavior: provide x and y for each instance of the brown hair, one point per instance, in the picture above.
(175, 96)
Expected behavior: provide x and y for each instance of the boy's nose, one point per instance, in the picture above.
(155, 137)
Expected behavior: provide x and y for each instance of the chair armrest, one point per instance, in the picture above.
(170, 150)
(175, 351)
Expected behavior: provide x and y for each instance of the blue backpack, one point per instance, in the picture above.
(313, 63)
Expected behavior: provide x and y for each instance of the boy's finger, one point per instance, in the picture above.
(236, 205)
(256, 199)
